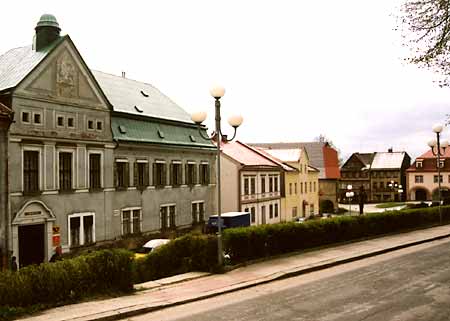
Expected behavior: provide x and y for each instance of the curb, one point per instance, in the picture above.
(142, 309)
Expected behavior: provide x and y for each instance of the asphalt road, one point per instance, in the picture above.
(410, 284)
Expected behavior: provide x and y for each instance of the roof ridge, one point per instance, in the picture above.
(256, 151)
(117, 76)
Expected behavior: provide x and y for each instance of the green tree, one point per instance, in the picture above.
(425, 26)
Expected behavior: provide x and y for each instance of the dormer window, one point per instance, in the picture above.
(441, 164)
(419, 164)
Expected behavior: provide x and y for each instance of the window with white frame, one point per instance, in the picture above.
(276, 210)
(131, 220)
(270, 211)
(295, 188)
(168, 216)
(249, 185)
(435, 178)
(419, 164)
(159, 173)
(198, 212)
(253, 214)
(275, 187)
(290, 188)
(81, 228)
(270, 184)
(418, 178)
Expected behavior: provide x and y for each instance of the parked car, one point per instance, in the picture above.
(299, 220)
(149, 247)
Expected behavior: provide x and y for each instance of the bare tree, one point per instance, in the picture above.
(425, 26)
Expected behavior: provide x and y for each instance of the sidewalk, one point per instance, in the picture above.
(194, 286)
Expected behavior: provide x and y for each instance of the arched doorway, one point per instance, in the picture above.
(421, 194)
(32, 233)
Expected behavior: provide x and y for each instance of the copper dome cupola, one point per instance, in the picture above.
(47, 31)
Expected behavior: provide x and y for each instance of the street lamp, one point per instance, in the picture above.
(235, 121)
(438, 149)
(349, 194)
(393, 185)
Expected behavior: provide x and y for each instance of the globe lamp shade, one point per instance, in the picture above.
(437, 128)
(198, 117)
(235, 121)
(217, 91)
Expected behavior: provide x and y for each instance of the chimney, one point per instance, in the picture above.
(390, 150)
(47, 31)
(123, 74)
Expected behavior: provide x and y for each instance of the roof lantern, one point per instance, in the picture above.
(47, 31)
(48, 20)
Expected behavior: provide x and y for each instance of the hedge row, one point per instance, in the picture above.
(192, 252)
(51, 283)
(249, 243)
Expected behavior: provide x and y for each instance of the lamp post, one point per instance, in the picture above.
(438, 149)
(235, 121)
(349, 194)
(400, 191)
(393, 185)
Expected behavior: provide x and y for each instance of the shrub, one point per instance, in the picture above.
(187, 253)
(249, 243)
(52, 283)
(326, 206)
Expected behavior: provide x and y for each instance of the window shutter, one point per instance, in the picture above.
(207, 174)
(136, 174)
(171, 180)
(127, 175)
(154, 175)
(115, 174)
(146, 173)
(186, 171)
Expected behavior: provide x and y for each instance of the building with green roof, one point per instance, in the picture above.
(93, 157)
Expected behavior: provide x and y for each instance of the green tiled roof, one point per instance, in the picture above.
(156, 132)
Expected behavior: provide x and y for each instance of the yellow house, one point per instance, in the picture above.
(301, 186)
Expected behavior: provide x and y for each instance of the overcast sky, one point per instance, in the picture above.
(293, 69)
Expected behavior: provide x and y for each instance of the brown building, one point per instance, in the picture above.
(383, 175)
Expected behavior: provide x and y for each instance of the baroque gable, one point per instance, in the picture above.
(63, 76)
